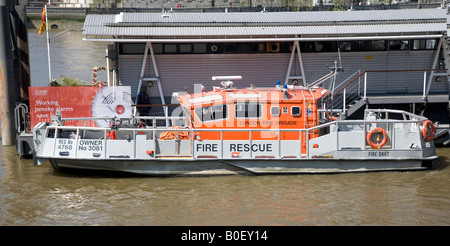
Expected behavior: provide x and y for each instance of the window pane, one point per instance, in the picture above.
(132, 48)
(157, 48)
(425, 44)
(230, 48)
(244, 48)
(377, 45)
(275, 111)
(185, 48)
(295, 111)
(399, 45)
(199, 48)
(248, 110)
(170, 48)
(419, 44)
(345, 46)
(430, 44)
(253, 110)
(210, 113)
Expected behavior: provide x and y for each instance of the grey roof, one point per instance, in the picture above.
(268, 30)
(274, 23)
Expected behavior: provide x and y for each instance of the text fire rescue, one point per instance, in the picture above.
(236, 147)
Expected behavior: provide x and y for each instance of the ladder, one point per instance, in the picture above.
(149, 49)
(309, 110)
(310, 117)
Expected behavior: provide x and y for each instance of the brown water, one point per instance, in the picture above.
(38, 195)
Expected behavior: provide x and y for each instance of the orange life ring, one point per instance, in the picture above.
(377, 144)
(428, 130)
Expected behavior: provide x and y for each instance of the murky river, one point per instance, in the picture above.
(38, 195)
(69, 57)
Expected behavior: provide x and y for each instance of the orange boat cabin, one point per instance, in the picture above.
(243, 114)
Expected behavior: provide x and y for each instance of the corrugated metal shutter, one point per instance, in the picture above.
(178, 72)
(378, 83)
(130, 70)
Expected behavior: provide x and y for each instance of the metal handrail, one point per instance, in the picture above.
(365, 72)
(21, 123)
(304, 136)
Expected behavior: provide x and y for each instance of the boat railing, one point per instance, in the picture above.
(149, 143)
(386, 113)
(350, 93)
(21, 118)
(154, 121)
(355, 87)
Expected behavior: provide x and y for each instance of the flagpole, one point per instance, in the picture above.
(48, 44)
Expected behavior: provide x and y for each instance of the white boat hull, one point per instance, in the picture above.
(341, 146)
(190, 167)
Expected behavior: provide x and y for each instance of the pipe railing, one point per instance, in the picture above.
(303, 134)
(343, 87)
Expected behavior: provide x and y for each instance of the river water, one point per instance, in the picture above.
(38, 195)
(69, 57)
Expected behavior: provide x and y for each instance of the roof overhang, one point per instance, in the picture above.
(243, 40)
(276, 26)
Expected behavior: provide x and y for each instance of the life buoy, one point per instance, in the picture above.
(428, 130)
(377, 144)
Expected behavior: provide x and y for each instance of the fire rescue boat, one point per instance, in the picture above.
(276, 130)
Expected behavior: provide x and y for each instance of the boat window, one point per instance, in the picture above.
(67, 133)
(211, 113)
(51, 133)
(296, 111)
(275, 111)
(248, 110)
